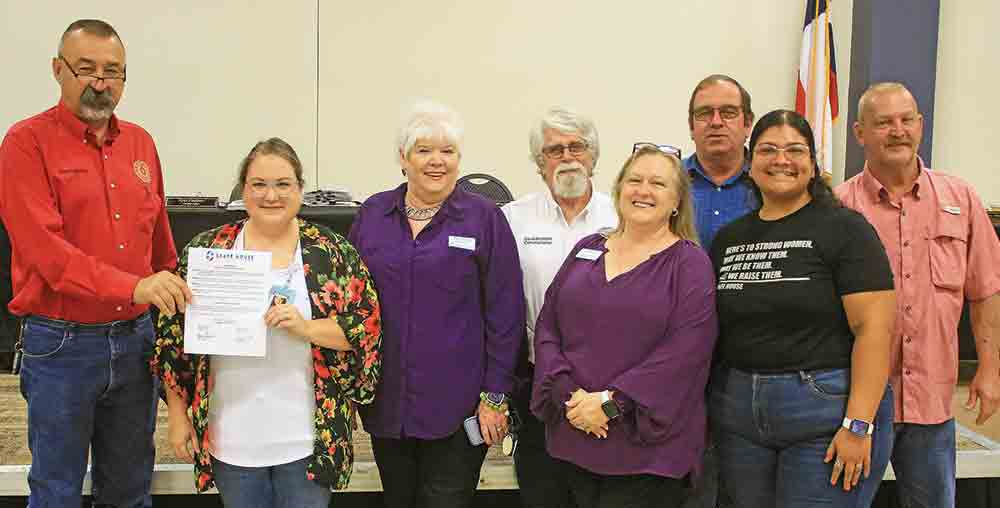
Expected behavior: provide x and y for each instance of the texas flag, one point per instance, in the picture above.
(816, 94)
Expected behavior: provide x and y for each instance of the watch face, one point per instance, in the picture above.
(610, 409)
(859, 427)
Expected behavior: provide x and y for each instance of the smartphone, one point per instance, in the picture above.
(472, 431)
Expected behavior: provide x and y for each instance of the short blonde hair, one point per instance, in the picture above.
(682, 224)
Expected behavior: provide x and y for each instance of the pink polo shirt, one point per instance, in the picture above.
(943, 249)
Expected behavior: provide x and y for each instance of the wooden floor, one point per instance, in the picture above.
(979, 451)
(173, 476)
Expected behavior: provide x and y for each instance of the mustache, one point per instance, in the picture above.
(569, 166)
(97, 100)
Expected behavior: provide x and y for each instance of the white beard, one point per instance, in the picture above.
(571, 184)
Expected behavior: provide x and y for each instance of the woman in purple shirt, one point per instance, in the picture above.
(623, 345)
(449, 283)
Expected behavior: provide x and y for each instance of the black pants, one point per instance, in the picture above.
(428, 473)
(540, 478)
(592, 490)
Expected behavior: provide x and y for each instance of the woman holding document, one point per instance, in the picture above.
(276, 430)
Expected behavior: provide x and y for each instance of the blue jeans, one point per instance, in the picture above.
(282, 486)
(923, 459)
(772, 432)
(88, 386)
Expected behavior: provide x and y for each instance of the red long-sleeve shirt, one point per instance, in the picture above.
(86, 221)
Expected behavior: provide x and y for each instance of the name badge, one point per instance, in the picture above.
(462, 242)
(954, 210)
(589, 254)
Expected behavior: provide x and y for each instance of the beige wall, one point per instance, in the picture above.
(207, 79)
(630, 66)
(966, 107)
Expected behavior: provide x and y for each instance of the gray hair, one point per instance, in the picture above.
(428, 119)
(566, 121)
(880, 88)
(95, 27)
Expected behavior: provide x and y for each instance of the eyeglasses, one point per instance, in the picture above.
(88, 75)
(282, 188)
(667, 149)
(793, 152)
(556, 151)
(707, 113)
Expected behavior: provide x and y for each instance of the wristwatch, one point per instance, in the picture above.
(609, 406)
(857, 427)
(493, 399)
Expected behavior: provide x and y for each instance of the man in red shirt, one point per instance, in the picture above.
(943, 251)
(81, 195)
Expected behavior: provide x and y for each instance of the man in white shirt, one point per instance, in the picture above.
(546, 225)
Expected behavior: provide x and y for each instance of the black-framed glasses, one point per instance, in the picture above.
(91, 75)
(667, 149)
(556, 151)
(707, 113)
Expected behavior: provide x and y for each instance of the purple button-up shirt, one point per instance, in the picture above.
(452, 311)
(646, 335)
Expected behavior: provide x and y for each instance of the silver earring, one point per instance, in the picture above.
(674, 213)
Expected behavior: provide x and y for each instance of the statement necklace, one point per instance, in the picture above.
(421, 214)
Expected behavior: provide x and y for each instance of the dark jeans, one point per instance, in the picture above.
(541, 479)
(705, 493)
(428, 473)
(923, 459)
(88, 386)
(772, 431)
(592, 490)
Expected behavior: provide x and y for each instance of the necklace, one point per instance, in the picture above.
(421, 214)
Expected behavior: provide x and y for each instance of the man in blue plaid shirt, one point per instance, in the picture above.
(720, 118)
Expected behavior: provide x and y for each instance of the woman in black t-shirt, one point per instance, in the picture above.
(800, 407)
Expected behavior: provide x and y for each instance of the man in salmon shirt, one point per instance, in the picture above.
(81, 195)
(943, 250)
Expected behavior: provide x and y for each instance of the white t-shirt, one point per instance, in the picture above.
(262, 409)
(544, 239)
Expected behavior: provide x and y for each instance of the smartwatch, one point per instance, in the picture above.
(609, 406)
(857, 427)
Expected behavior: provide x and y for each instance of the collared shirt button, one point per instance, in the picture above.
(121, 246)
(719, 189)
(113, 186)
(907, 371)
(105, 156)
(907, 339)
(716, 212)
(118, 308)
(118, 216)
(906, 243)
(907, 308)
(906, 275)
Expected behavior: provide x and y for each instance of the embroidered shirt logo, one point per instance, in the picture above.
(141, 171)
(537, 240)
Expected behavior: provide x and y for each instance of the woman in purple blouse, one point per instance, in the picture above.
(449, 283)
(623, 346)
